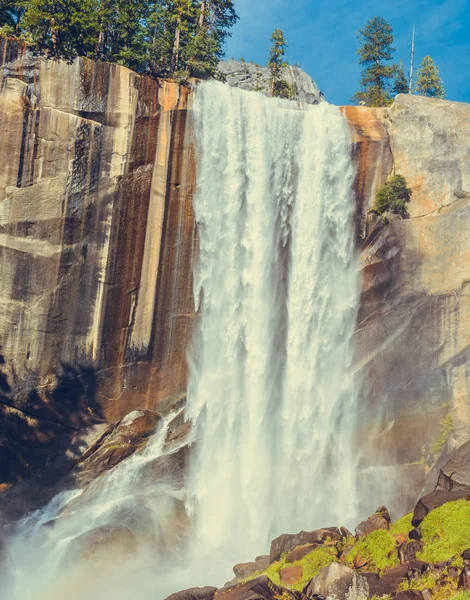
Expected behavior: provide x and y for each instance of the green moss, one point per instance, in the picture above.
(463, 595)
(447, 427)
(445, 532)
(378, 550)
(312, 563)
(403, 526)
(426, 582)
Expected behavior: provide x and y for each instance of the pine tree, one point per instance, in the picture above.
(400, 84)
(428, 82)
(61, 28)
(374, 54)
(11, 13)
(123, 36)
(277, 64)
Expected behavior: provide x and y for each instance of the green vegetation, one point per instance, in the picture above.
(447, 427)
(463, 595)
(375, 55)
(311, 564)
(445, 532)
(276, 64)
(403, 526)
(400, 84)
(161, 38)
(377, 550)
(429, 82)
(425, 582)
(393, 197)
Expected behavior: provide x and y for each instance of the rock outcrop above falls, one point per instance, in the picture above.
(252, 77)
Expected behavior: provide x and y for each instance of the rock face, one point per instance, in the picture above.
(337, 581)
(97, 242)
(455, 475)
(413, 334)
(248, 76)
(96, 245)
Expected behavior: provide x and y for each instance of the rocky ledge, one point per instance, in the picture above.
(252, 77)
(423, 555)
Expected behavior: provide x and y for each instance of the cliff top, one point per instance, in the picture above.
(253, 77)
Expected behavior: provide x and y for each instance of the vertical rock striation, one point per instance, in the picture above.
(96, 241)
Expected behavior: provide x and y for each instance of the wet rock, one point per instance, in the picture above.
(178, 431)
(205, 593)
(466, 554)
(299, 552)
(464, 578)
(244, 570)
(100, 544)
(408, 550)
(119, 441)
(260, 588)
(337, 581)
(170, 468)
(379, 520)
(287, 541)
(433, 500)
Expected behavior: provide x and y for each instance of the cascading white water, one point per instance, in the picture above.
(271, 394)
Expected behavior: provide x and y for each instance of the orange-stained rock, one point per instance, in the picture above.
(96, 248)
(372, 155)
(290, 575)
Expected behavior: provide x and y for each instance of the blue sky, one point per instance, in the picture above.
(322, 37)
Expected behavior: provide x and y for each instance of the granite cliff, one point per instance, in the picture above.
(97, 241)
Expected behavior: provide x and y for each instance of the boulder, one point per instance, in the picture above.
(455, 475)
(379, 520)
(466, 554)
(260, 588)
(413, 595)
(408, 550)
(290, 575)
(337, 581)
(100, 544)
(205, 593)
(299, 552)
(286, 541)
(178, 431)
(243, 570)
(393, 577)
(376, 586)
(119, 441)
(433, 500)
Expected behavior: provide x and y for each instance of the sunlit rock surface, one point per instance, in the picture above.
(413, 335)
(253, 77)
(96, 246)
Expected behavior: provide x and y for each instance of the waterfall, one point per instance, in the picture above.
(271, 393)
